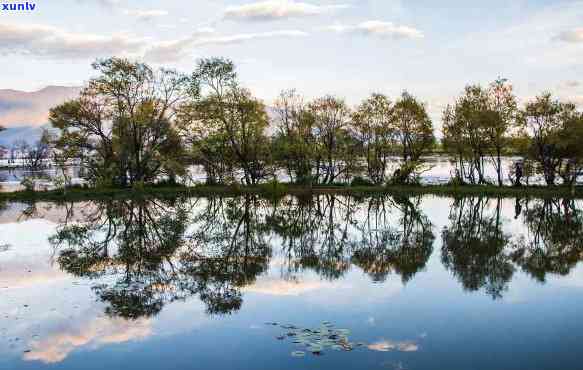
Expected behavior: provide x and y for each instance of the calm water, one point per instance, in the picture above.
(368, 283)
(438, 169)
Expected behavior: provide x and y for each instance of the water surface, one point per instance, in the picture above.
(231, 283)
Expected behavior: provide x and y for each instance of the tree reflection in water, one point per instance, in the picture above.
(402, 244)
(146, 253)
(315, 233)
(554, 242)
(328, 234)
(474, 246)
(146, 246)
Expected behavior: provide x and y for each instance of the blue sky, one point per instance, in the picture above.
(346, 47)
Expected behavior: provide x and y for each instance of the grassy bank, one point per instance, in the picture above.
(271, 190)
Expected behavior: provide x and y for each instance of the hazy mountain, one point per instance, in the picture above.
(24, 114)
(21, 108)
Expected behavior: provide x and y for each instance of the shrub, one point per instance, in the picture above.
(28, 184)
(274, 188)
(361, 181)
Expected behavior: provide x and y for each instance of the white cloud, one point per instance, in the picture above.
(284, 288)
(167, 51)
(278, 9)
(379, 29)
(242, 37)
(52, 42)
(177, 49)
(95, 334)
(574, 35)
(146, 15)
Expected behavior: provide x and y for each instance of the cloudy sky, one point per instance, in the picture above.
(344, 47)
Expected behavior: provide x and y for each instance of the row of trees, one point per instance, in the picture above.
(323, 140)
(133, 124)
(485, 123)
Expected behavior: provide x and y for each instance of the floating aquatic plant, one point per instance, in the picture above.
(316, 340)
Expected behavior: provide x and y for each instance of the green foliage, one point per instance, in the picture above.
(28, 184)
(274, 188)
(413, 128)
(225, 125)
(331, 120)
(555, 131)
(478, 127)
(360, 181)
(374, 131)
(134, 126)
(122, 124)
(294, 146)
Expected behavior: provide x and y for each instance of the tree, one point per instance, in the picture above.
(571, 151)
(38, 153)
(545, 120)
(294, 140)
(465, 133)
(122, 124)
(372, 123)
(331, 115)
(221, 111)
(414, 134)
(19, 150)
(502, 118)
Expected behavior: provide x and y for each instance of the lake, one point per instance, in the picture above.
(437, 170)
(323, 282)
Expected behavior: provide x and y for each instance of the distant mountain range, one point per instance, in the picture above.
(25, 114)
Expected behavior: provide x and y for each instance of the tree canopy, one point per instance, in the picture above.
(133, 124)
(122, 126)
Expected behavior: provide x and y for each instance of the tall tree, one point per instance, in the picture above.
(502, 116)
(294, 140)
(331, 117)
(570, 149)
(414, 133)
(224, 111)
(543, 120)
(372, 123)
(465, 134)
(122, 124)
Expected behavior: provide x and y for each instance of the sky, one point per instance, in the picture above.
(348, 48)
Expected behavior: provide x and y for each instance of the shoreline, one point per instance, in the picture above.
(271, 191)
